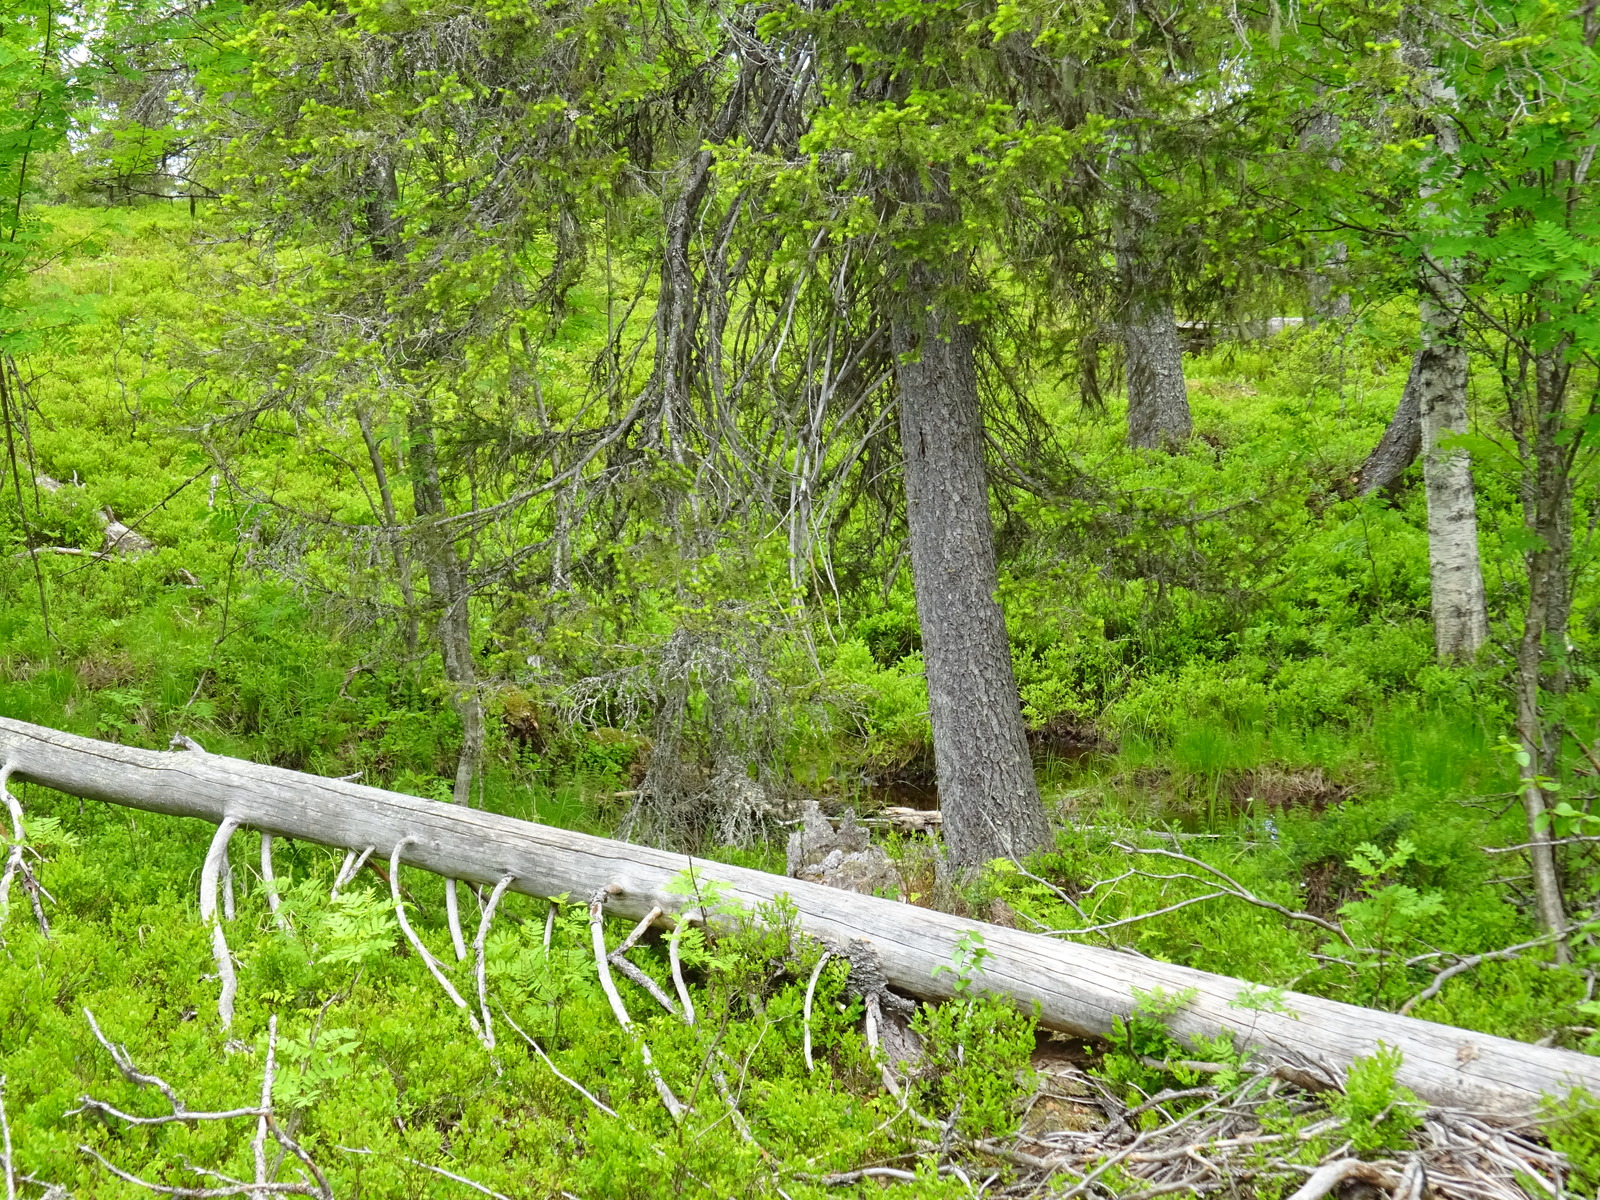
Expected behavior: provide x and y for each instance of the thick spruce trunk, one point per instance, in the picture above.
(1158, 398)
(987, 790)
(1460, 614)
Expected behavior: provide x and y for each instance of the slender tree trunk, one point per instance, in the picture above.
(1329, 300)
(1158, 398)
(402, 562)
(1460, 614)
(987, 790)
(1401, 441)
(447, 584)
(1546, 516)
(1327, 279)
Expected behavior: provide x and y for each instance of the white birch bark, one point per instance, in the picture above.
(1460, 613)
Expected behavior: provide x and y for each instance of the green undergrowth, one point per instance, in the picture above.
(377, 1070)
(1223, 655)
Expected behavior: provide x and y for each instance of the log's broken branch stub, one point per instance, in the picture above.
(1077, 989)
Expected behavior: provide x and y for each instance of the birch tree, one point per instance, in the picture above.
(1460, 615)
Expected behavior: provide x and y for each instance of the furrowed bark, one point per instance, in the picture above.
(1158, 398)
(987, 791)
(1400, 444)
(1078, 989)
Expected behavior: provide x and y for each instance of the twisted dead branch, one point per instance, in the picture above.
(350, 868)
(1237, 1138)
(313, 1184)
(451, 1175)
(602, 961)
(811, 994)
(478, 950)
(556, 1071)
(5, 1145)
(269, 884)
(675, 961)
(452, 912)
(428, 960)
(210, 877)
(17, 866)
(1232, 887)
(1473, 961)
(1079, 989)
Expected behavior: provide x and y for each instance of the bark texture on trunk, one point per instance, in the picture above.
(1079, 989)
(1401, 441)
(1460, 614)
(1542, 651)
(1158, 398)
(447, 584)
(1329, 300)
(987, 789)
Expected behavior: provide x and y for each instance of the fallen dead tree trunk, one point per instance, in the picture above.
(1077, 989)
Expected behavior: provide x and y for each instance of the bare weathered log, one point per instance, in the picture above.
(1078, 989)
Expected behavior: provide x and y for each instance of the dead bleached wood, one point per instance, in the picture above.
(478, 947)
(602, 961)
(428, 960)
(222, 1185)
(1078, 989)
(210, 875)
(269, 883)
(810, 996)
(17, 861)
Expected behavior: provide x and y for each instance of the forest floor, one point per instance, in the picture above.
(1313, 755)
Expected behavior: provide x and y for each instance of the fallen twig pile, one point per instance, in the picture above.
(1259, 1132)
